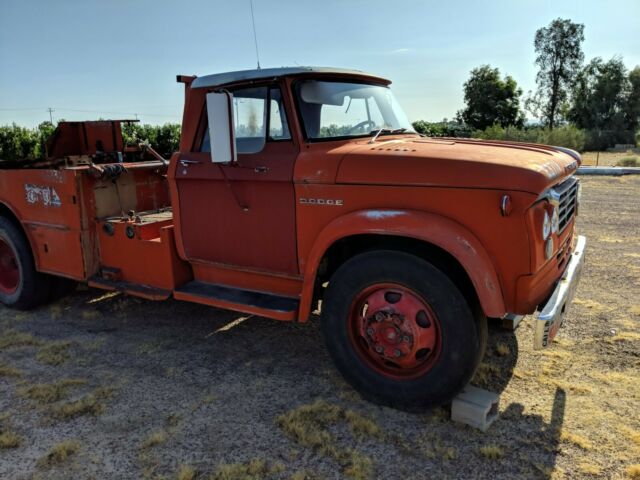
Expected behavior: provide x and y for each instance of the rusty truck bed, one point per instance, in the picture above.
(99, 230)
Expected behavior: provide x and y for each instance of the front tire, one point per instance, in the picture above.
(21, 286)
(399, 330)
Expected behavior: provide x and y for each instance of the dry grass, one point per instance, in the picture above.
(44, 393)
(9, 371)
(55, 353)
(625, 336)
(633, 471)
(589, 468)
(628, 162)
(8, 439)
(443, 452)
(187, 472)
(59, 453)
(308, 425)
(485, 372)
(358, 466)
(255, 469)
(56, 311)
(492, 452)
(502, 349)
(576, 439)
(604, 158)
(155, 439)
(90, 404)
(362, 426)
(90, 314)
(15, 338)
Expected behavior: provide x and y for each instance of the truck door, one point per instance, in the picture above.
(243, 214)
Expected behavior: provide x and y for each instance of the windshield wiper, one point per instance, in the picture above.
(385, 130)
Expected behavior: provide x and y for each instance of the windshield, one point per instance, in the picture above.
(345, 109)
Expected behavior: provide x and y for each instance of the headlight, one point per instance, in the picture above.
(555, 220)
(546, 226)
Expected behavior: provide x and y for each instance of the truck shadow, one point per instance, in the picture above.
(540, 439)
(497, 366)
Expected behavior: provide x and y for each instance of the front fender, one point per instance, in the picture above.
(440, 231)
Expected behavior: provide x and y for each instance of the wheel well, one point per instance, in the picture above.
(348, 247)
(7, 213)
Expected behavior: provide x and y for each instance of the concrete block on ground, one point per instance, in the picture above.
(511, 321)
(475, 407)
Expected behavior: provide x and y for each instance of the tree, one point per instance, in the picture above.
(601, 95)
(559, 57)
(632, 109)
(491, 100)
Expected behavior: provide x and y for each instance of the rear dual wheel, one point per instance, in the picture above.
(21, 286)
(400, 331)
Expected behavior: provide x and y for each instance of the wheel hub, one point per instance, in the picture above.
(396, 330)
(385, 334)
(9, 271)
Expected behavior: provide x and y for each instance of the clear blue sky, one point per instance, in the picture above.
(108, 56)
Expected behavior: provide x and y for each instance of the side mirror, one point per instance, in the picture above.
(221, 131)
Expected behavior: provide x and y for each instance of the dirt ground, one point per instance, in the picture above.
(106, 386)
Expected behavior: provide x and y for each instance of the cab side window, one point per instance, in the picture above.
(257, 111)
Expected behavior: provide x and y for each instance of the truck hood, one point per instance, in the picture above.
(457, 163)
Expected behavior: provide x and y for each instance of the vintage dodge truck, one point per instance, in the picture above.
(304, 189)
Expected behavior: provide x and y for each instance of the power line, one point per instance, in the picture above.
(50, 110)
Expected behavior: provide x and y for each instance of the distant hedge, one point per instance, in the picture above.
(20, 143)
(563, 136)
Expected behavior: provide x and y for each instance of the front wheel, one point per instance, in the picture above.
(399, 330)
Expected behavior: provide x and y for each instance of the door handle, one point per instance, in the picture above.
(261, 169)
(186, 163)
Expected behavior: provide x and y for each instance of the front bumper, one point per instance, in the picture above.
(552, 314)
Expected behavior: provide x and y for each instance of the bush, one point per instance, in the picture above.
(442, 129)
(165, 139)
(629, 162)
(20, 143)
(566, 136)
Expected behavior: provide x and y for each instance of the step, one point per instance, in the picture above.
(246, 301)
(137, 290)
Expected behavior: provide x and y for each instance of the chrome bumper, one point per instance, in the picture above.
(552, 314)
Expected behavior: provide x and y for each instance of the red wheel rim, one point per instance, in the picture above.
(395, 331)
(9, 270)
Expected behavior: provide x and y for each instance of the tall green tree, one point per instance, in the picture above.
(490, 99)
(601, 96)
(632, 109)
(559, 58)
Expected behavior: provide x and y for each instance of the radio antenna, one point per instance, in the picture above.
(255, 37)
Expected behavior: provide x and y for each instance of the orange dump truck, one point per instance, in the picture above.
(297, 189)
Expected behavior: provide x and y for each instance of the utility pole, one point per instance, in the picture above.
(51, 110)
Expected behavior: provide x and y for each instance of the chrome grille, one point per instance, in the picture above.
(566, 196)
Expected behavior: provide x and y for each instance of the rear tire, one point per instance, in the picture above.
(399, 330)
(21, 286)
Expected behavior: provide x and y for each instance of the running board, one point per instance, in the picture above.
(245, 301)
(134, 289)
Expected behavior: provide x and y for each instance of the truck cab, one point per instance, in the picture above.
(306, 189)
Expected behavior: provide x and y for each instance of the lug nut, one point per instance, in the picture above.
(370, 331)
(379, 316)
(379, 349)
(407, 339)
(397, 353)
